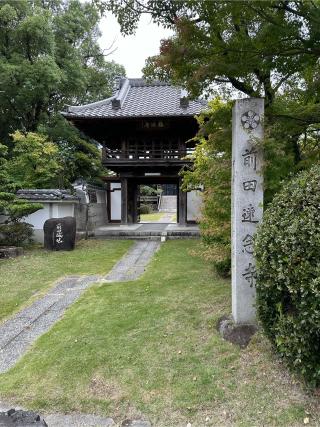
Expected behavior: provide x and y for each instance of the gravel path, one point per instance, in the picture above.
(21, 330)
(17, 333)
(132, 265)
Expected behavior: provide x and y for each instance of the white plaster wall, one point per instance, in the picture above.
(38, 218)
(55, 210)
(49, 210)
(65, 209)
(194, 203)
(115, 201)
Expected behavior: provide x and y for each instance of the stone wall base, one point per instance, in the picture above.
(10, 251)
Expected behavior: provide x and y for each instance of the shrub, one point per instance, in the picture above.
(15, 233)
(287, 248)
(223, 268)
(145, 209)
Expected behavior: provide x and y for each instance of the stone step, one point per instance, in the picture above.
(147, 235)
(115, 237)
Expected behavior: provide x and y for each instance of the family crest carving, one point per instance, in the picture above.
(250, 120)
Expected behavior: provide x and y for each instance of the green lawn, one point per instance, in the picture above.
(155, 216)
(150, 348)
(24, 278)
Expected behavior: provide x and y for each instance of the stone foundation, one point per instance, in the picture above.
(239, 334)
(10, 252)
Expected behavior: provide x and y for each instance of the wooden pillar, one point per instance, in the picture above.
(135, 203)
(182, 206)
(124, 200)
(131, 201)
(103, 152)
(182, 148)
(108, 203)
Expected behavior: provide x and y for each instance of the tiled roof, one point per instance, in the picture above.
(138, 98)
(46, 194)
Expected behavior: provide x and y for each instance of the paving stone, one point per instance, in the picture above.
(68, 282)
(67, 300)
(11, 353)
(11, 329)
(78, 420)
(135, 423)
(5, 406)
(37, 308)
(133, 264)
(42, 325)
(87, 280)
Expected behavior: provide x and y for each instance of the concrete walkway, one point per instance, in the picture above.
(20, 331)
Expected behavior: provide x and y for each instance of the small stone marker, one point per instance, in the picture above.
(60, 234)
(247, 203)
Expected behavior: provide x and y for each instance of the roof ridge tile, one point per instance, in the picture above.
(137, 97)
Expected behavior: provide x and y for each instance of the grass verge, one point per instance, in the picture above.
(150, 348)
(155, 216)
(25, 277)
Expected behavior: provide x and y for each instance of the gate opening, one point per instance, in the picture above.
(157, 203)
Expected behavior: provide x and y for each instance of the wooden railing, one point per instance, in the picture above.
(138, 154)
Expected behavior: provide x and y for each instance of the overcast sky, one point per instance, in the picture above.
(132, 51)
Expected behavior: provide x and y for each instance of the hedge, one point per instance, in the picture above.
(287, 249)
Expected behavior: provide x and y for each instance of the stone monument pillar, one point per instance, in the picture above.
(247, 203)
